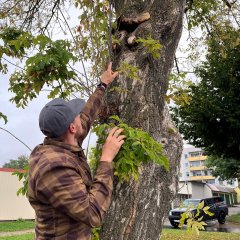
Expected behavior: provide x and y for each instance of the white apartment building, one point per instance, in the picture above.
(193, 168)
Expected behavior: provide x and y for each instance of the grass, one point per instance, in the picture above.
(16, 226)
(234, 218)
(19, 237)
(177, 234)
(167, 234)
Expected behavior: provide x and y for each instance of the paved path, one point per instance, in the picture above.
(7, 234)
(234, 210)
(214, 226)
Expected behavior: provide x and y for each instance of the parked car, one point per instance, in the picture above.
(217, 206)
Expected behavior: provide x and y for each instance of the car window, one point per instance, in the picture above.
(217, 199)
(208, 202)
(191, 202)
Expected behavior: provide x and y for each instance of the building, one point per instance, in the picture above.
(13, 207)
(193, 168)
(198, 190)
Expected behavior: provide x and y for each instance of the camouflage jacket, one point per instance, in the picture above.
(66, 200)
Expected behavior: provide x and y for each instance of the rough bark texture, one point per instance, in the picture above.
(138, 207)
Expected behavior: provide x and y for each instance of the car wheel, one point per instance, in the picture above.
(222, 218)
(174, 224)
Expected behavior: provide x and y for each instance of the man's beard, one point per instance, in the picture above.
(80, 135)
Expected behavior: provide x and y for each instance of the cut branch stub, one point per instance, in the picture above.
(127, 27)
(131, 23)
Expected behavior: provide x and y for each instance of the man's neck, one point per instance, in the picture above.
(70, 139)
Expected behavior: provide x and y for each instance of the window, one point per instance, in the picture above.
(185, 156)
(196, 173)
(187, 173)
(208, 202)
(230, 182)
(217, 199)
(195, 164)
(205, 173)
(186, 164)
(195, 154)
(211, 181)
(202, 163)
(209, 172)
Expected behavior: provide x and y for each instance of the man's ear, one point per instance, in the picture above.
(72, 128)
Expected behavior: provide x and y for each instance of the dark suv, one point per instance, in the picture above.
(217, 206)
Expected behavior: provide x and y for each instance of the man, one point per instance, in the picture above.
(67, 201)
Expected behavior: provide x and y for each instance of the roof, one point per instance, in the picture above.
(12, 170)
(218, 188)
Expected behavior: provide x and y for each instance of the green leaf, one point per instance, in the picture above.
(4, 117)
(114, 117)
(201, 205)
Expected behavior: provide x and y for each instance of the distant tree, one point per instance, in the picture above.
(225, 168)
(19, 163)
(212, 118)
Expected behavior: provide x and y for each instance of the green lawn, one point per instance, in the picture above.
(16, 226)
(167, 234)
(234, 218)
(19, 237)
(176, 234)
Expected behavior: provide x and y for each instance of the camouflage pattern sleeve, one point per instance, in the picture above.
(91, 109)
(66, 192)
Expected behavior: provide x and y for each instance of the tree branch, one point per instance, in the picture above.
(16, 138)
(56, 5)
(12, 63)
(84, 69)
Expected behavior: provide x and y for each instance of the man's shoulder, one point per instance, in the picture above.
(45, 158)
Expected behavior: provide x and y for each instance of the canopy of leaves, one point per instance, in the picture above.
(201, 20)
(19, 163)
(211, 120)
(225, 168)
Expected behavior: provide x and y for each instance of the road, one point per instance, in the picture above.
(214, 226)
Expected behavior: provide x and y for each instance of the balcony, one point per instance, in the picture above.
(200, 178)
(197, 158)
(197, 168)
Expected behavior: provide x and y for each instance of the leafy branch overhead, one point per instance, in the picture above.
(48, 65)
(139, 147)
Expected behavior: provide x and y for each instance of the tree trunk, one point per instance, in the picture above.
(138, 207)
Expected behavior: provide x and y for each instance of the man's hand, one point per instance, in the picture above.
(108, 76)
(112, 145)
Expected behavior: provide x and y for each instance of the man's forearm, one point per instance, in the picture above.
(91, 109)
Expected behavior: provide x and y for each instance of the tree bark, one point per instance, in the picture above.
(138, 207)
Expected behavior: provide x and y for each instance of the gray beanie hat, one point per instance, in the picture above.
(57, 115)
